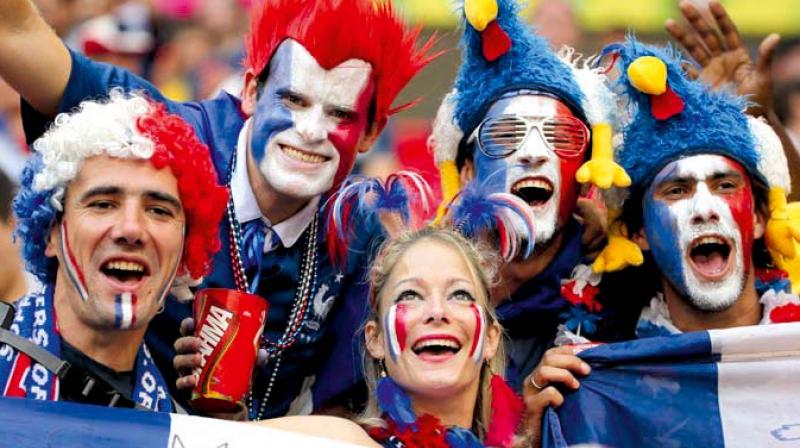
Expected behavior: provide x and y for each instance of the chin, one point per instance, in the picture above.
(298, 185)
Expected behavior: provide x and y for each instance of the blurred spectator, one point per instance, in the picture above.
(556, 21)
(786, 78)
(121, 39)
(13, 280)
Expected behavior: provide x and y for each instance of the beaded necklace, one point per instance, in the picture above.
(306, 285)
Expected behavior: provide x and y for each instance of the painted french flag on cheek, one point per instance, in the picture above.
(394, 322)
(476, 350)
(74, 271)
(124, 306)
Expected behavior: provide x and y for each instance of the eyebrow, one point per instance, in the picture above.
(677, 178)
(417, 281)
(110, 190)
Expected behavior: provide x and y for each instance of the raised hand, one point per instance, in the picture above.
(722, 57)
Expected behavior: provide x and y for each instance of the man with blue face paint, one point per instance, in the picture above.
(313, 98)
(524, 120)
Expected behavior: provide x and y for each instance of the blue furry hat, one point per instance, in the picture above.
(35, 216)
(671, 116)
(501, 54)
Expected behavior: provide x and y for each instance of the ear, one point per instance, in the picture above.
(492, 341)
(371, 136)
(374, 339)
(250, 92)
(53, 241)
(467, 172)
(640, 238)
(759, 225)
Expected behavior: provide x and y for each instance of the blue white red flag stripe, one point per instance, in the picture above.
(720, 388)
(35, 424)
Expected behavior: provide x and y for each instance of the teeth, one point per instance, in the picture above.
(302, 155)
(709, 240)
(533, 183)
(437, 343)
(125, 266)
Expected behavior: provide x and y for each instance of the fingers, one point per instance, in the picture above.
(766, 51)
(187, 326)
(707, 34)
(689, 41)
(546, 375)
(186, 361)
(727, 28)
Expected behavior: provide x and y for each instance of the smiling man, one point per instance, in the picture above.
(314, 97)
(107, 247)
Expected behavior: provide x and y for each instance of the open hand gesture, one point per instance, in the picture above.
(722, 57)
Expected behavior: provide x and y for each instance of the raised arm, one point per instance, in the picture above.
(724, 60)
(33, 60)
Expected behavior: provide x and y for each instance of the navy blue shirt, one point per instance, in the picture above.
(324, 353)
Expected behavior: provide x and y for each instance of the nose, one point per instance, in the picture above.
(310, 126)
(129, 228)
(533, 152)
(704, 208)
(437, 310)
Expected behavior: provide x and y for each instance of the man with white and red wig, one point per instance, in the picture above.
(320, 80)
(119, 199)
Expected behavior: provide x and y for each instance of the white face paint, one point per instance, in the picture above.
(534, 166)
(696, 218)
(308, 121)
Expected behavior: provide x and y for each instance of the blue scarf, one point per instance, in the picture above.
(21, 377)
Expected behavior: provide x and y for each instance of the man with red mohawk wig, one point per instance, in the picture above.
(320, 80)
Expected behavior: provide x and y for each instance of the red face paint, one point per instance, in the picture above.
(400, 326)
(346, 136)
(476, 349)
(742, 210)
(569, 166)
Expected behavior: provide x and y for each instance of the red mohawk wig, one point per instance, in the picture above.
(334, 31)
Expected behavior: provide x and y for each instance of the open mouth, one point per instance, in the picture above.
(125, 272)
(536, 191)
(436, 347)
(710, 256)
(303, 156)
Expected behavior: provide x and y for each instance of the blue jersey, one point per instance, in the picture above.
(323, 358)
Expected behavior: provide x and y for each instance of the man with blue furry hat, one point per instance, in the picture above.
(707, 202)
(525, 120)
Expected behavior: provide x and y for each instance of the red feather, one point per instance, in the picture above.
(786, 313)
(495, 42)
(666, 105)
(507, 408)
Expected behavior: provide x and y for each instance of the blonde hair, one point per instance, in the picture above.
(482, 262)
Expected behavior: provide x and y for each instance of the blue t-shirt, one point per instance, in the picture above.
(324, 353)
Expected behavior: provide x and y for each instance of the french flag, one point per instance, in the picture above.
(738, 387)
(34, 424)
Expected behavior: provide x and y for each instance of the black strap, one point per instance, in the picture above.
(77, 384)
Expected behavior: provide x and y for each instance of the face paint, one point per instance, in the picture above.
(74, 272)
(533, 172)
(124, 310)
(476, 350)
(308, 121)
(395, 324)
(698, 217)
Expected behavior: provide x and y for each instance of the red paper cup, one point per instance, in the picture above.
(229, 324)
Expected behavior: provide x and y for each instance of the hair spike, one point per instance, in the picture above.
(375, 34)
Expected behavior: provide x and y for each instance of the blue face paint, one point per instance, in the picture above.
(661, 227)
(271, 115)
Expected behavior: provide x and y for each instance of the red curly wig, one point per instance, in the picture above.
(202, 197)
(334, 31)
